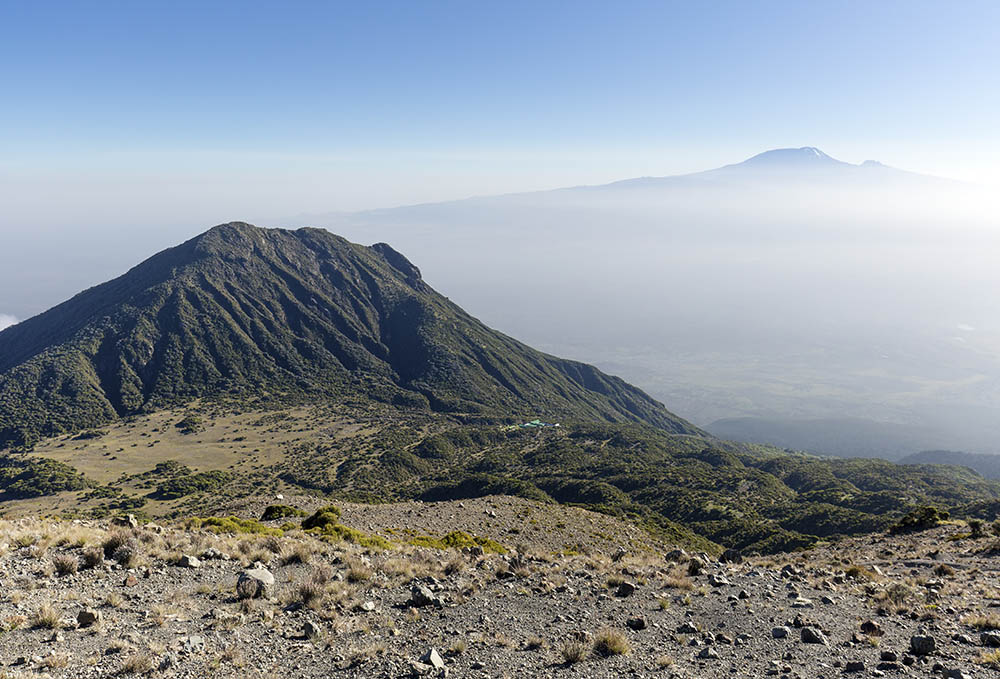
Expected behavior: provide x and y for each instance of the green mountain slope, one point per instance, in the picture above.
(271, 314)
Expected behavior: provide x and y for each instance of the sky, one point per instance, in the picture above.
(195, 113)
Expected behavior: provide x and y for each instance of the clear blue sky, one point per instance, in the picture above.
(202, 108)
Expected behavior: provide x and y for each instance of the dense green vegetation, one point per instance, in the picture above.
(23, 477)
(685, 488)
(188, 484)
(987, 465)
(268, 316)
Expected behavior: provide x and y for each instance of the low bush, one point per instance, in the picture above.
(921, 518)
(277, 512)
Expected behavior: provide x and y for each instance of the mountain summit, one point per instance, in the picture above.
(270, 313)
(805, 156)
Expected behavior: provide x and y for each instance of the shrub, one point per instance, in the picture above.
(325, 523)
(856, 572)
(921, 518)
(65, 564)
(140, 663)
(943, 570)
(24, 477)
(574, 652)
(609, 642)
(976, 528)
(182, 486)
(190, 424)
(92, 557)
(323, 517)
(45, 617)
(458, 540)
(277, 512)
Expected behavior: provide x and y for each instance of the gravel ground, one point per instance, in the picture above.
(912, 606)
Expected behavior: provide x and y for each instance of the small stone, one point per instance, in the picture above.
(312, 630)
(855, 666)
(676, 555)
(189, 561)
(780, 632)
(192, 644)
(127, 521)
(811, 635)
(625, 589)
(130, 580)
(872, 628)
(708, 652)
(432, 658)
(421, 595)
(717, 580)
(990, 638)
(731, 556)
(636, 624)
(87, 617)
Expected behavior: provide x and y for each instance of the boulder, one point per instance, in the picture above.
(432, 658)
(255, 583)
(922, 644)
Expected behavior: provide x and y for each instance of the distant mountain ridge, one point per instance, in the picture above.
(241, 310)
(807, 165)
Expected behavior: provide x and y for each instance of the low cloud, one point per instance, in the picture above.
(6, 320)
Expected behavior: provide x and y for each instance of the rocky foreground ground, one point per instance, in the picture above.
(89, 599)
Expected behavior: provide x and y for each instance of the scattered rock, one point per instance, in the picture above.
(636, 624)
(625, 589)
(990, 638)
(432, 658)
(922, 644)
(88, 617)
(872, 628)
(255, 583)
(811, 635)
(731, 556)
(312, 630)
(421, 595)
